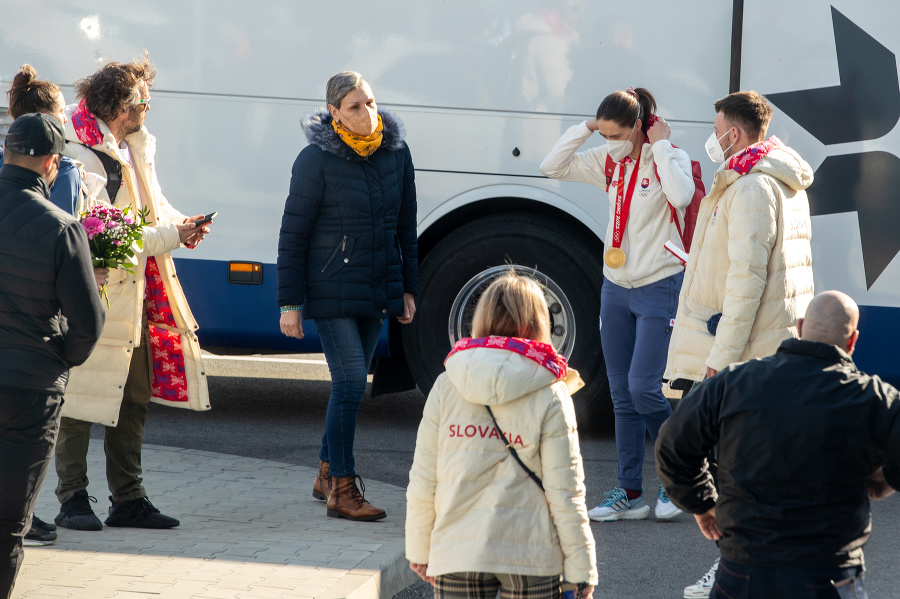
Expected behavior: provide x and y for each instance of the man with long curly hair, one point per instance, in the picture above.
(148, 349)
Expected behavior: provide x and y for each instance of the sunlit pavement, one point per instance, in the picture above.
(249, 529)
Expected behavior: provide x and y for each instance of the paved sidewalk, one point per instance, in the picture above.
(249, 529)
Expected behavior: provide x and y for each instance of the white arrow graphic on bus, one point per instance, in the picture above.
(866, 105)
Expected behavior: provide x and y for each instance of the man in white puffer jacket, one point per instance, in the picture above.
(749, 275)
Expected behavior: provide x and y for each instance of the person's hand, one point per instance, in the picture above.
(420, 569)
(707, 523)
(592, 125)
(409, 308)
(292, 324)
(710, 372)
(878, 485)
(190, 234)
(659, 130)
(101, 276)
(588, 592)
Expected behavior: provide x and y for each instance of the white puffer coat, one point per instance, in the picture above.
(470, 506)
(94, 392)
(751, 261)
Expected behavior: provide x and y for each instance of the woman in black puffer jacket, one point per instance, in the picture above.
(347, 258)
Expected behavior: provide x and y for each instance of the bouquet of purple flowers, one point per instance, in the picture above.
(113, 235)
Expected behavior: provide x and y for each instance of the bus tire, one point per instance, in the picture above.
(475, 254)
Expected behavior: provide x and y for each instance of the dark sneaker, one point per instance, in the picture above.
(138, 513)
(77, 514)
(48, 526)
(37, 536)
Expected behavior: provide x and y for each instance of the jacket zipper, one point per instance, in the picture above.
(399, 250)
(340, 248)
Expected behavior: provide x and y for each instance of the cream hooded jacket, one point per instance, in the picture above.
(470, 506)
(751, 261)
(649, 224)
(94, 392)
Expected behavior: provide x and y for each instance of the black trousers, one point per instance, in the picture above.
(29, 422)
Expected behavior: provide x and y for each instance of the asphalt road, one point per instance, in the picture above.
(274, 409)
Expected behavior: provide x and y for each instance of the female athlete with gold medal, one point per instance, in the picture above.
(642, 174)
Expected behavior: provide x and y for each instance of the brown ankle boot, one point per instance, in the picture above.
(322, 485)
(345, 501)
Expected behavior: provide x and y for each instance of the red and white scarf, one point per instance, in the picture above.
(744, 161)
(86, 127)
(542, 353)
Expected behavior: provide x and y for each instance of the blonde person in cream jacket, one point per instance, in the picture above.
(642, 278)
(476, 521)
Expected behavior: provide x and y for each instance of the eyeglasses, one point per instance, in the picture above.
(144, 101)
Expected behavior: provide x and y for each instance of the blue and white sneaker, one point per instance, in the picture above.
(665, 509)
(617, 506)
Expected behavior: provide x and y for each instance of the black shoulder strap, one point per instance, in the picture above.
(514, 453)
(113, 174)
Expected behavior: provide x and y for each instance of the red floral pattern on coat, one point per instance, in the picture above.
(542, 353)
(169, 380)
(86, 127)
(744, 161)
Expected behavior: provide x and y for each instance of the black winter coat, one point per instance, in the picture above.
(798, 433)
(348, 244)
(50, 311)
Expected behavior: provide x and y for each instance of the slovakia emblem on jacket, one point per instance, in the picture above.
(645, 183)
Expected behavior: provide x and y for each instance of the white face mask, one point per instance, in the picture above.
(715, 151)
(620, 148)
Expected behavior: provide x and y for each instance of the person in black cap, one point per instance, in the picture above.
(50, 320)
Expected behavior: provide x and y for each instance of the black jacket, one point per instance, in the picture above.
(798, 434)
(348, 244)
(50, 311)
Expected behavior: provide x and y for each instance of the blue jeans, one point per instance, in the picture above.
(348, 344)
(741, 581)
(635, 330)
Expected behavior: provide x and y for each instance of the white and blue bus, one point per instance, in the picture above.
(484, 89)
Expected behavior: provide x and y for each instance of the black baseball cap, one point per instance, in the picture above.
(38, 135)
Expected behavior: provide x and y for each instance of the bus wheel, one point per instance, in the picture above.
(458, 269)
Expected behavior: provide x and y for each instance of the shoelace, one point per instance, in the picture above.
(709, 576)
(355, 491)
(147, 504)
(80, 508)
(614, 496)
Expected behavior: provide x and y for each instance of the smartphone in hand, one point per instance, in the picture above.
(206, 219)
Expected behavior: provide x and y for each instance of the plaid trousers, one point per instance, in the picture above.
(482, 585)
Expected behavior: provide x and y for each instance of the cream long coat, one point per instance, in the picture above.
(94, 391)
(470, 506)
(751, 261)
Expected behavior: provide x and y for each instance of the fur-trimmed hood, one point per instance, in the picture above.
(318, 130)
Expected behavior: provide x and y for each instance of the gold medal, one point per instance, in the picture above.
(614, 257)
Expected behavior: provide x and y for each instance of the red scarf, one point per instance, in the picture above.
(542, 353)
(86, 127)
(169, 378)
(744, 161)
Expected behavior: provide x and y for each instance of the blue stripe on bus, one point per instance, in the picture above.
(243, 316)
(246, 316)
(876, 350)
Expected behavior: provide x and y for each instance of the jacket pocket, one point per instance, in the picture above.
(339, 257)
(397, 245)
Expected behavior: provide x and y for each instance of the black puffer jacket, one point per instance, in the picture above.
(798, 434)
(50, 311)
(348, 244)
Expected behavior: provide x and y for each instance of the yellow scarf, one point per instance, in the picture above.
(366, 145)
